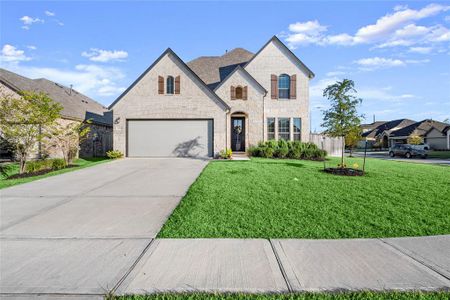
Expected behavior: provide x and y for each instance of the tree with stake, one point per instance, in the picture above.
(342, 117)
(23, 121)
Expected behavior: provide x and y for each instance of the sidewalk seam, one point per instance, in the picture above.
(280, 265)
(421, 262)
(122, 279)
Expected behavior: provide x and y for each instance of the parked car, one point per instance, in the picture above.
(407, 151)
(421, 147)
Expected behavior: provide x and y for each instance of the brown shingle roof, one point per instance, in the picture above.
(75, 105)
(213, 69)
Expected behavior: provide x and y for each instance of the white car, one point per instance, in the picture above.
(421, 147)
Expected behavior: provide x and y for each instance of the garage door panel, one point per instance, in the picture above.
(163, 138)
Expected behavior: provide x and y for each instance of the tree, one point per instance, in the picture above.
(342, 117)
(415, 140)
(352, 138)
(23, 119)
(67, 137)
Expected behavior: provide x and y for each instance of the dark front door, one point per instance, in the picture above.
(238, 134)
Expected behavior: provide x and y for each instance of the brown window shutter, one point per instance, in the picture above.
(244, 93)
(293, 87)
(274, 86)
(233, 93)
(177, 84)
(160, 85)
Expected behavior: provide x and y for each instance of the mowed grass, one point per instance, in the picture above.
(80, 164)
(303, 296)
(265, 198)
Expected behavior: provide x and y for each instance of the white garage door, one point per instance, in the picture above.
(165, 138)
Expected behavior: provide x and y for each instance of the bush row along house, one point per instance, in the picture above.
(382, 134)
(76, 108)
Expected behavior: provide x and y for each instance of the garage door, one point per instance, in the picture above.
(169, 138)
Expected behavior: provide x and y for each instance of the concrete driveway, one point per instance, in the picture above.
(81, 232)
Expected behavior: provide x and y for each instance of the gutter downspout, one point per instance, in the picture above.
(264, 116)
(226, 128)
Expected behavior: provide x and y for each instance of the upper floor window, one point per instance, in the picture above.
(284, 86)
(170, 85)
(238, 92)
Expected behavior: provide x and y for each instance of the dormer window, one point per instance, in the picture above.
(169, 85)
(284, 86)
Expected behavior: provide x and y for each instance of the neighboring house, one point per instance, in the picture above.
(212, 103)
(434, 133)
(377, 133)
(76, 108)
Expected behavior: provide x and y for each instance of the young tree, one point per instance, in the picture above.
(342, 117)
(415, 140)
(67, 137)
(23, 119)
(352, 138)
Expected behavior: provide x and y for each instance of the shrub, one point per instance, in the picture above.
(267, 152)
(282, 150)
(58, 164)
(38, 165)
(226, 153)
(254, 151)
(114, 154)
(5, 169)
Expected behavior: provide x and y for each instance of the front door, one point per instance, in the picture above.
(238, 134)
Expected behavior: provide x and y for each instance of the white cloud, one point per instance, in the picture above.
(28, 21)
(31, 47)
(421, 50)
(391, 30)
(49, 13)
(100, 55)
(10, 54)
(379, 62)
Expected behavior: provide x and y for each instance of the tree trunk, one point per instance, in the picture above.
(22, 164)
(343, 150)
(351, 151)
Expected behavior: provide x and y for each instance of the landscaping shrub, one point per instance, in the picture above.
(287, 149)
(58, 164)
(282, 149)
(226, 154)
(38, 165)
(113, 154)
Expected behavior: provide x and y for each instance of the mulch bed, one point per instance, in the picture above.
(344, 171)
(32, 174)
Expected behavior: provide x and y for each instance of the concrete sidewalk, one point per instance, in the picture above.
(258, 265)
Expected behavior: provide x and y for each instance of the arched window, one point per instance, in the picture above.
(169, 84)
(238, 92)
(284, 86)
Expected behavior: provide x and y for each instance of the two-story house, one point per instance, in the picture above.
(214, 102)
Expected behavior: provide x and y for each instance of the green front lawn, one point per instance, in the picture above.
(265, 198)
(302, 296)
(80, 164)
(439, 154)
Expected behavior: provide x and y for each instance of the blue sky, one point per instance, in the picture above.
(398, 53)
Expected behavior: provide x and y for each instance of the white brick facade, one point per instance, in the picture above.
(196, 101)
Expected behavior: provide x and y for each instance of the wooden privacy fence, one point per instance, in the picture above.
(332, 145)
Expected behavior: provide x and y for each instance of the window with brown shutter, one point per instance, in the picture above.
(232, 93)
(293, 87)
(177, 84)
(244, 93)
(274, 86)
(238, 92)
(160, 85)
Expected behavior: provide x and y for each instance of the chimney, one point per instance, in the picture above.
(70, 91)
(226, 51)
(373, 118)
